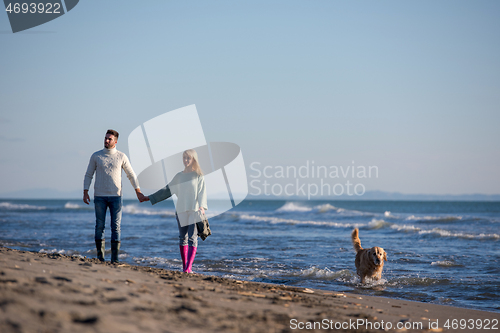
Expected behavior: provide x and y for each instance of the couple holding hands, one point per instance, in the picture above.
(188, 185)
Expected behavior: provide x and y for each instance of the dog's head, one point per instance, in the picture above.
(377, 255)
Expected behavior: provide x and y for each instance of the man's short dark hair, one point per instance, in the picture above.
(113, 132)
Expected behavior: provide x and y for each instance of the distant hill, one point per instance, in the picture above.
(391, 196)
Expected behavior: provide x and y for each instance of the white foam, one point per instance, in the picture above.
(378, 224)
(136, 210)
(416, 281)
(293, 207)
(8, 205)
(370, 283)
(324, 274)
(443, 233)
(71, 205)
(350, 212)
(154, 261)
(325, 208)
(389, 215)
(67, 252)
(444, 263)
(253, 259)
(447, 233)
(404, 227)
(433, 218)
(275, 220)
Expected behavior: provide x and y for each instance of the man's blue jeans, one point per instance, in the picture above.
(101, 204)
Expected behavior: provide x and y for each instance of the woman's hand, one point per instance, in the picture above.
(202, 210)
(141, 196)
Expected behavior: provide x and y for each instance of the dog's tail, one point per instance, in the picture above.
(356, 242)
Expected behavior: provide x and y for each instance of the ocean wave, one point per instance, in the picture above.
(157, 261)
(275, 220)
(378, 224)
(135, 210)
(312, 273)
(351, 278)
(404, 227)
(251, 260)
(324, 274)
(369, 283)
(65, 252)
(442, 232)
(447, 233)
(11, 206)
(325, 208)
(293, 207)
(71, 205)
(417, 281)
(433, 218)
(446, 263)
(389, 215)
(351, 212)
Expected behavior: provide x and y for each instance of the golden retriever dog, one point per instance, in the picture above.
(369, 262)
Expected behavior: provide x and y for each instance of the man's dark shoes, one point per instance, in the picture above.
(99, 244)
(115, 249)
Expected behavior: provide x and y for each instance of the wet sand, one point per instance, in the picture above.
(57, 293)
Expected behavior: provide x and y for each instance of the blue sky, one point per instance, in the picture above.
(411, 87)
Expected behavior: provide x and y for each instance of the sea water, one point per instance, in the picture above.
(438, 252)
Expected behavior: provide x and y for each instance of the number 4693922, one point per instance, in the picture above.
(47, 8)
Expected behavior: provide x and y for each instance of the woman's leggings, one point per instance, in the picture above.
(188, 233)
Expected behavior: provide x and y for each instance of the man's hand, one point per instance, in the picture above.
(141, 196)
(86, 197)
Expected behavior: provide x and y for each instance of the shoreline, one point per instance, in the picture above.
(59, 293)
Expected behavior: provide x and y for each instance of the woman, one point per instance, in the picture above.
(189, 187)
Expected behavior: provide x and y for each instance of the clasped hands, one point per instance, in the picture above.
(141, 196)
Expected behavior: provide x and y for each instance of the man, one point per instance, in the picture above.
(107, 165)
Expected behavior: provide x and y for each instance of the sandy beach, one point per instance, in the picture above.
(57, 293)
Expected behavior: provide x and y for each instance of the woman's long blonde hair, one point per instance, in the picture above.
(194, 155)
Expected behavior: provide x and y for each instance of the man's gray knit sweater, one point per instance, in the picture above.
(107, 165)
